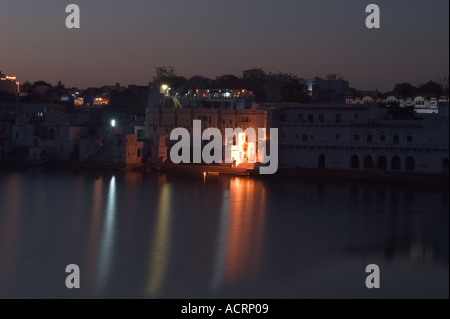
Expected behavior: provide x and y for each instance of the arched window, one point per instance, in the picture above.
(396, 163)
(445, 166)
(382, 162)
(368, 162)
(410, 164)
(322, 161)
(354, 161)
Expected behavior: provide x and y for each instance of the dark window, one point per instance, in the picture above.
(300, 117)
(338, 118)
(409, 138)
(383, 138)
(410, 164)
(445, 166)
(396, 139)
(338, 137)
(322, 161)
(368, 162)
(382, 162)
(305, 137)
(356, 116)
(311, 118)
(321, 118)
(354, 162)
(356, 137)
(369, 138)
(396, 164)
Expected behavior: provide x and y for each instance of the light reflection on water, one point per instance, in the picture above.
(158, 236)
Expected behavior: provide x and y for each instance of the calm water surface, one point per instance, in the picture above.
(166, 236)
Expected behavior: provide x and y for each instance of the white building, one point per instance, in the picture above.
(360, 137)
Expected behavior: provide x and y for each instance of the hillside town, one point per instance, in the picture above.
(323, 123)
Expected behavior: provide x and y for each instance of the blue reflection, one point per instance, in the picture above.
(107, 242)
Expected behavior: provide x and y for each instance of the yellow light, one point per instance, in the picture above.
(164, 87)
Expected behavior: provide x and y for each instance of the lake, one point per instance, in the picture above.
(153, 235)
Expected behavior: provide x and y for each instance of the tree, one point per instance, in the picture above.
(431, 87)
(294, 91)
(41, 83)
(200, 82)
(164, 74)
(228, 81)
(444, 83)
(405, 90)
(254, 80)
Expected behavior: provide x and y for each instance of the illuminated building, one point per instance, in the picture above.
(161, 122)
(9, 84)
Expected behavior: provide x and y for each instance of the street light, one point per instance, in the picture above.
(113, 123)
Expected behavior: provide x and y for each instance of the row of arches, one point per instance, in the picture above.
(382, 163)
(368, 162)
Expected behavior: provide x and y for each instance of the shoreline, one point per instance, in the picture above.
(283, 173)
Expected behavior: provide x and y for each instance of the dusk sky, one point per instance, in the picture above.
(123, 41)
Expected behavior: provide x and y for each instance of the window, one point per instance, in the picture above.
(356, 116)
(321, 118)
(409, 138)
(396, 139)
(338, 137)
(311, 118)
(300, 117)
(356, 138)
(297, 136)
(338, 118)
(369, 138)
(383, 138)
(305, 137)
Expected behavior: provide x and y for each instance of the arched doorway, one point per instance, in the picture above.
(354, 161)
(382, 162)
(396, 163)
(410, 164)
(445, 166)
(368, 162)
(322, 161)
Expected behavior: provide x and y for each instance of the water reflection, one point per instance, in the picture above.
(107, 242)
(241, 232)
(161, 242)
(9, 232)
(236, 237)
(92, 246)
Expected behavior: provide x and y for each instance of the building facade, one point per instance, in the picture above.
(359, 137)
